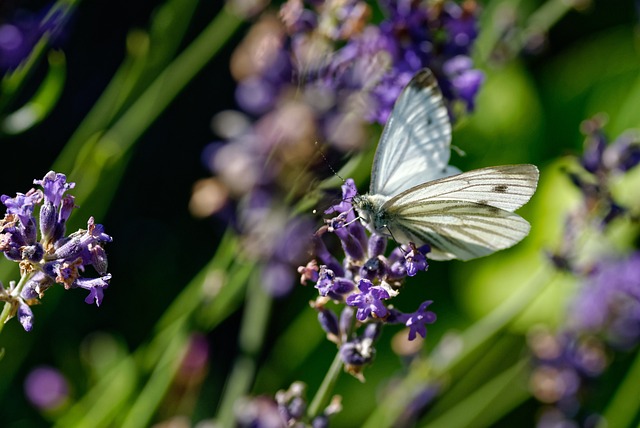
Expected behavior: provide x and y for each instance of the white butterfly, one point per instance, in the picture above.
(461, 216)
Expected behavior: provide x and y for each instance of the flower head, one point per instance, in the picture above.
(365, 281)
(415, 259)
(50, 257)
(609, 302)
(418, 320)
(369, 300)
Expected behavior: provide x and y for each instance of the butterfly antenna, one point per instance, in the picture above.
(329, 164)
(395, 240)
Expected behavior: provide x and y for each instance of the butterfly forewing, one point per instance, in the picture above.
(507, 187)
(415, 144)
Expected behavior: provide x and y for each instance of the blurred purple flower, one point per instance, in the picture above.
(46, 388)
(564, 365)
(289, 409)
(20, 34)
(604, 314)
(602, 164)
(601, 157)
(609, 302)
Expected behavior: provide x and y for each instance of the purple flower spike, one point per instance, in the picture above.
(369, 301)
(418, 320)
(51, 257)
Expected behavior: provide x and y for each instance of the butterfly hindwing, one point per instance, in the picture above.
(465, 216)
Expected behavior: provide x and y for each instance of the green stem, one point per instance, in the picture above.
(102, 152)
(326, 388)
(252, 334)
(8, 306)
(148, 399)
(538, 23)
(486, 328)
(488, 402)
(4, 316)
(442, 364)
(11, 84)
(625, 404)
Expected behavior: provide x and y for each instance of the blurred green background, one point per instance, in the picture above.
(528, 111)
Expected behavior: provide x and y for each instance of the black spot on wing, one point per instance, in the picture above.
(500, 188)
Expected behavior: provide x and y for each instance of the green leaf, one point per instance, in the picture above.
(43, 101)
(485, 283)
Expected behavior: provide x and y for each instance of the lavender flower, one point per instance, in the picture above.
(359, 351)
(604, 315)
(417, 321)
(601, 163)
(48, 257)
(369, 301)
(366, 280)
(288, 409)
(564, 365)
(609, 302)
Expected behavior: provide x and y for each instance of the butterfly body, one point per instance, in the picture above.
(415, 196)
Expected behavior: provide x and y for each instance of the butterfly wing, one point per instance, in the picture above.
(415, 145)
(467, 215)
